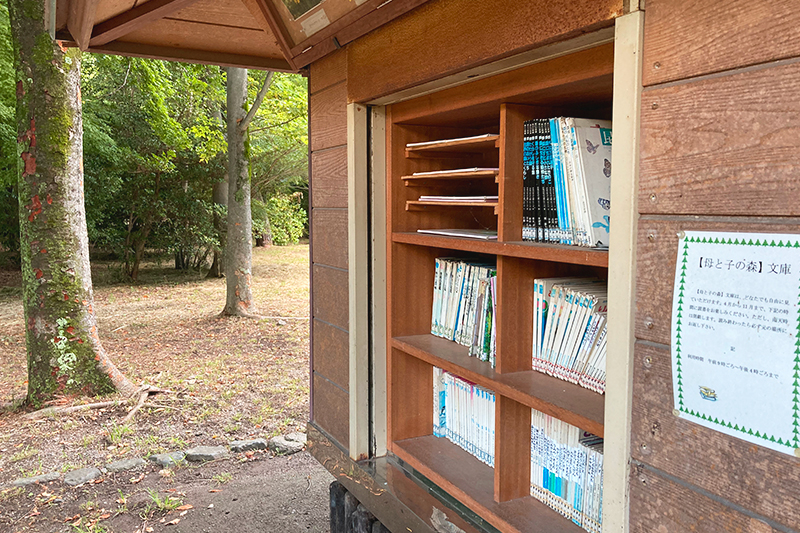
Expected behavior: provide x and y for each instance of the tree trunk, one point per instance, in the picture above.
(239, 245)
(64, 350)
(220, 197)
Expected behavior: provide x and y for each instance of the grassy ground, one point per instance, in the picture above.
(232, 378)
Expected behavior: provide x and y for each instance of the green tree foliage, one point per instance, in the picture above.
(279, 155)
(282, 217)
(9, 223)
(153, 148)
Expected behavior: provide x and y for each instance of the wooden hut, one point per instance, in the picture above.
(704, 101)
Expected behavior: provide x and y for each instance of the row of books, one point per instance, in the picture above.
(464, 413)
(566, 181)
(569, 330)
(567, 470)
(464, 304)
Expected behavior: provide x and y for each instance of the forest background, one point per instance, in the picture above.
(154, 147)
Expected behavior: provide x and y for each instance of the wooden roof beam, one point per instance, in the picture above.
(269, 20)
(131, 20)
(80, 21)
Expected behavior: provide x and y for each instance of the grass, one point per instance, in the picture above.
(25, 453)
(160, 505)
(115, 433)
(222, 477)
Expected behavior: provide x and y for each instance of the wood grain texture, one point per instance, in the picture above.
(725, 145)
(332, 410)
(574, 80)
(330, 295)
(694, 37)
(330, 237)
(761, 480)
(226, 13)
(657, 252)
(512, 450)
(331, 353)
(137, 18)
(410, 392)
(201, 36)
(329, 172)
(658, 505)
(328, 117)
(418, 47)
(328, 71)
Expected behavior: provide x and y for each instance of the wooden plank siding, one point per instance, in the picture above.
(445, 36)
(720, 117)
(330, 338)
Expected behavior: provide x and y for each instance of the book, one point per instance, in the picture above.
(566, 181)
(483, 234)
(569, 325)
(455, 171)
(463, 413)
(457, 199)
(463, 304)
(567, 470)
(442, 141)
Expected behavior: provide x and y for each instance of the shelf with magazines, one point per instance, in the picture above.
(467, 382)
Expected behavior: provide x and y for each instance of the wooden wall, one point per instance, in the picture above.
(720, 145)
(328, 139)
(442, 37)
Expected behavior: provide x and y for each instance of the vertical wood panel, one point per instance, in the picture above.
(329, 172)
(331, 353)
(328, 71)
(328, 117)
(330, 237)
(512, 451)
(331, 406)
(330, 295)
(692, 37)
(410, 381)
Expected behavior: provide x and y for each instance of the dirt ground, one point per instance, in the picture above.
(230, 379)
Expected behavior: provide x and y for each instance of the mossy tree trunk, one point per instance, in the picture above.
(64, 350)
(239, 242)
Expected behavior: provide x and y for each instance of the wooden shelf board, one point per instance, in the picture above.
(558, 398)
(472, 482)
(415, 205)
(412, 180)
(520, 249)
(455, 146)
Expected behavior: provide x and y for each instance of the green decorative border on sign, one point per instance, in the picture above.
(794, 442)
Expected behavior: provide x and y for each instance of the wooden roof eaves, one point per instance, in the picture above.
(133, 19)
(367, 17)
(80, 21)
(186, 55)
(268, 18)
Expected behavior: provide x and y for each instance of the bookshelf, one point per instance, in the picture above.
(442, 141)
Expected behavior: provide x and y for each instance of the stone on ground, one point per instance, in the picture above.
(168, 460)
(44, 478)
(284, 446)
(125, 464)
(297, 437)
(81, 476)
(238, 446)
(205, 453)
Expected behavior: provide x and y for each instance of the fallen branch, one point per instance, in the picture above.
(143, 392)
(51, 411)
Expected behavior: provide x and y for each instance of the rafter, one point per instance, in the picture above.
(134, 19)
(269, 20)
(80, 21)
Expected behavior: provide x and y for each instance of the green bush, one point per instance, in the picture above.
(282, 216)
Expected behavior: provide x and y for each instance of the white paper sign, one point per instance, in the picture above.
(735, 342)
